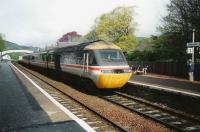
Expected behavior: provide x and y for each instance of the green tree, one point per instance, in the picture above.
(15, 56)
(117, 26)
(2, 45)
(91, 36)
(127, 42)
(183, 16)
(161, 48)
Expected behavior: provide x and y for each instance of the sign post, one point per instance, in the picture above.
(191, 50)
(191, 46)
(193, 37)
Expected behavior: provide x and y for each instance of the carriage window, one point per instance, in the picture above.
(32, 57)
(44, 57)
(68, 58)
(79, 57)
(50, 57)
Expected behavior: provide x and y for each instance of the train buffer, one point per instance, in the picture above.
(167, 82)
(23, 107)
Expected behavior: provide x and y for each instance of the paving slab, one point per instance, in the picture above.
(25, 108)
(172, 83)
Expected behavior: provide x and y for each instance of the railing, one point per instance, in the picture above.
(176, 69)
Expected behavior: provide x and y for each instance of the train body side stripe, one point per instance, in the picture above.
(97, 68)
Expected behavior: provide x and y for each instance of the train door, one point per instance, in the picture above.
(48, 59)
(85, 63)
(89, 60)
(45, 60)
(57, 62)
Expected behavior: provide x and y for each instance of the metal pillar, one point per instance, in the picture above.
(193, 39)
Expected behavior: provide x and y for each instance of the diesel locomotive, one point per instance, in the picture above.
(99, 61)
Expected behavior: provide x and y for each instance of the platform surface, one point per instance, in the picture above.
(23, 108)
(168, 82)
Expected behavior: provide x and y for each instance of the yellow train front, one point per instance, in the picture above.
(100, 61)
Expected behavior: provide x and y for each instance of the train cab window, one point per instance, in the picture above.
(92, 59)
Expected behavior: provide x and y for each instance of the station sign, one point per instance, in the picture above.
(195, 44)
(190, 50)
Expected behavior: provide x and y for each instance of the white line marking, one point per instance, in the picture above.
(164, 88)
(66, 111)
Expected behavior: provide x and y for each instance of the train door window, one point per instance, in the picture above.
(92, 59)
(57, 61)
(48, 58)
(40, 58)
(52, 57)
(37, 58)
(44, 57)
(61, 58)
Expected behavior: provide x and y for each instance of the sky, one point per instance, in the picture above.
(42, 22)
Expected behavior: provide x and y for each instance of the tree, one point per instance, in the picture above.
(91, 36)
(183, 16)
(127, 42)
(2, 45)
(117, 26)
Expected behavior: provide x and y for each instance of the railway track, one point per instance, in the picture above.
(97, 121)
(170, 119)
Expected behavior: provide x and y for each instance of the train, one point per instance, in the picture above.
(101, 62)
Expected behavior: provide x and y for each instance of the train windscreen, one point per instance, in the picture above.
(111, 57)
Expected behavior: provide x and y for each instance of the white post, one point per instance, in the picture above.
(0, 56)
(193, 39)
(87, 60)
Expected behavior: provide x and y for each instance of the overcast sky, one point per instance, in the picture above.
(42, 22)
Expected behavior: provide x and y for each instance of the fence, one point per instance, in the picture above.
(176, 69)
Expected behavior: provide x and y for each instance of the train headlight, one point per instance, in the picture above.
(107, 71)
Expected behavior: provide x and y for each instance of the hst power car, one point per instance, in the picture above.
(99, 61)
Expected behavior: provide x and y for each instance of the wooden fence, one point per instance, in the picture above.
(176, 69)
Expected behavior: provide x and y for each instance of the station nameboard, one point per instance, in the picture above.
(193, 44)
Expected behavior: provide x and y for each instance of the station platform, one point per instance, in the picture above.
(25, 108)
(167, 82)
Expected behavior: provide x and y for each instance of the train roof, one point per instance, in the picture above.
(94, 45)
